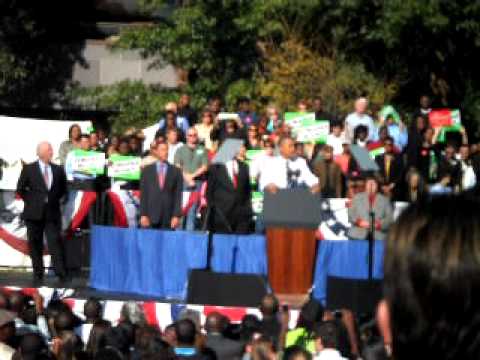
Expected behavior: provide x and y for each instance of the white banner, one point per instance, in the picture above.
(19, 138)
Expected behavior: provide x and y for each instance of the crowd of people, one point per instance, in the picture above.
(413, 165)
(431, 253)
(30, 329)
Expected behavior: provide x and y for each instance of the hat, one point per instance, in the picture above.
(6, 317)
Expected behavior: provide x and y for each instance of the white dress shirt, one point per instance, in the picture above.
(354, 119)
(44, 166)
(329, 354)
(275, 172)
(232, 168)
(336, 142)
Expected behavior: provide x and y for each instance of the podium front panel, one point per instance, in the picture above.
(291, 258)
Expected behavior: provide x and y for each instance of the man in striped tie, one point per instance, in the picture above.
(41, 185)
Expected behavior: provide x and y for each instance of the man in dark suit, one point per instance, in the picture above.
(41, 186)
(391, 170)
(160, 192)
(229, 197)
(223, 347)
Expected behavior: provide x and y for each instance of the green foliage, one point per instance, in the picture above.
(294, 72)
(132, 103)
(38, 49)
(390, 50)
(213, 41)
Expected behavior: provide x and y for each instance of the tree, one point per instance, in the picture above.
(40, 42)
(294, 72)
(213, 41)
(132, 103)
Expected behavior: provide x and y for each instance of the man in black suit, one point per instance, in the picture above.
(41, 186)
(229, 197)
(223, 347)
(161, 192)
(391, 170)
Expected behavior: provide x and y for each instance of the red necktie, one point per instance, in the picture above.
(235, 175)
(161, 176)
(371, 200)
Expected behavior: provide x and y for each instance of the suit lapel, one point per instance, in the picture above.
(168, 175)
(226, 176)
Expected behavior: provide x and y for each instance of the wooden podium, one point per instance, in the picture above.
(291, 259)
(291, 218)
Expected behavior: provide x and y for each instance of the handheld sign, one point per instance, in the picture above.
(313, 131)
(88, 162)
(228, 116)
(227, 151)
(306, 128)
(124, 167)
(444, 118)
(257, 202)
(295, 119)
(389, 110)
(362, 157)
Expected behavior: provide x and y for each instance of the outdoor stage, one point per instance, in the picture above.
(158, 267)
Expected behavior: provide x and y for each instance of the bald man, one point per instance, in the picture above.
(41, 186)
(360, 117)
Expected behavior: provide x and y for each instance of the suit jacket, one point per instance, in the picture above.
(360, 210)
(160, 205)
(334, 176)
(224, 348)
(396, 169)
(40, 202)
(234, 203)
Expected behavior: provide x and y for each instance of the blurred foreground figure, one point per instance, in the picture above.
(432, 281)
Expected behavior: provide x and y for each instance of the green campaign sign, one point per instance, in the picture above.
(313, 131)
(88, 162)
(251, 157)
(257, 202)
(442, 137)
(295, 119)
(306, 128)
(389, 111)
(124, 167)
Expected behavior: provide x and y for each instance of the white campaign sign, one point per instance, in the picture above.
(313, 132)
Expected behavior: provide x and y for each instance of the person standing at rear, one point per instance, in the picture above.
(41, 185)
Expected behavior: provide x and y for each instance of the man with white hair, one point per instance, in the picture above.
(41, 185)
(359, 117)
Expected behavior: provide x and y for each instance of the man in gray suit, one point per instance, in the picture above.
(368, 203)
